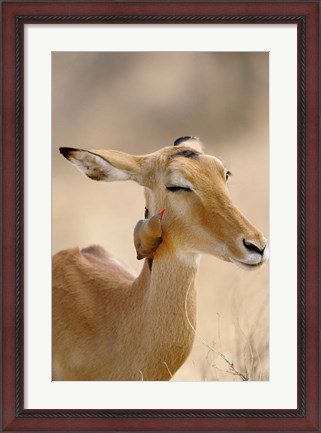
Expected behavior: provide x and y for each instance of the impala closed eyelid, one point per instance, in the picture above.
(177, 188)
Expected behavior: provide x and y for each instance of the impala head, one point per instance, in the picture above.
(192, 186)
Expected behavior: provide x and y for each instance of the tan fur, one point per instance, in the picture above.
(109, 325)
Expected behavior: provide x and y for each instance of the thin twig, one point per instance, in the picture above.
(244, 335)
(219, 329)
(166, 365)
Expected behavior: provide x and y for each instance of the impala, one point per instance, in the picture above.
(109, 324)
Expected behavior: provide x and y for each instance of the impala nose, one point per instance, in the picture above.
(250, 246)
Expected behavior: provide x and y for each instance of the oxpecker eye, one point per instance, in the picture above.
(227, 175)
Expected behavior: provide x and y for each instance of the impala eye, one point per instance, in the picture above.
(177, 188)
(227, 175)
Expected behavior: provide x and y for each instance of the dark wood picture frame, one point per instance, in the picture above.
(306, 15)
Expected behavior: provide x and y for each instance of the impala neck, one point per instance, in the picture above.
(170, 283)
(165, 312)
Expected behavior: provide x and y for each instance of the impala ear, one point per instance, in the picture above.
(193, 142)
(106, 165)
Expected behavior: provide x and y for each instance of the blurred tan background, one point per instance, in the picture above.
(138, 103)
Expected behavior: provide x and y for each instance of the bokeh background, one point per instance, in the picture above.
(138, 103)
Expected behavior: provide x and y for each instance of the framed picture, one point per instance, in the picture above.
(137, 78)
